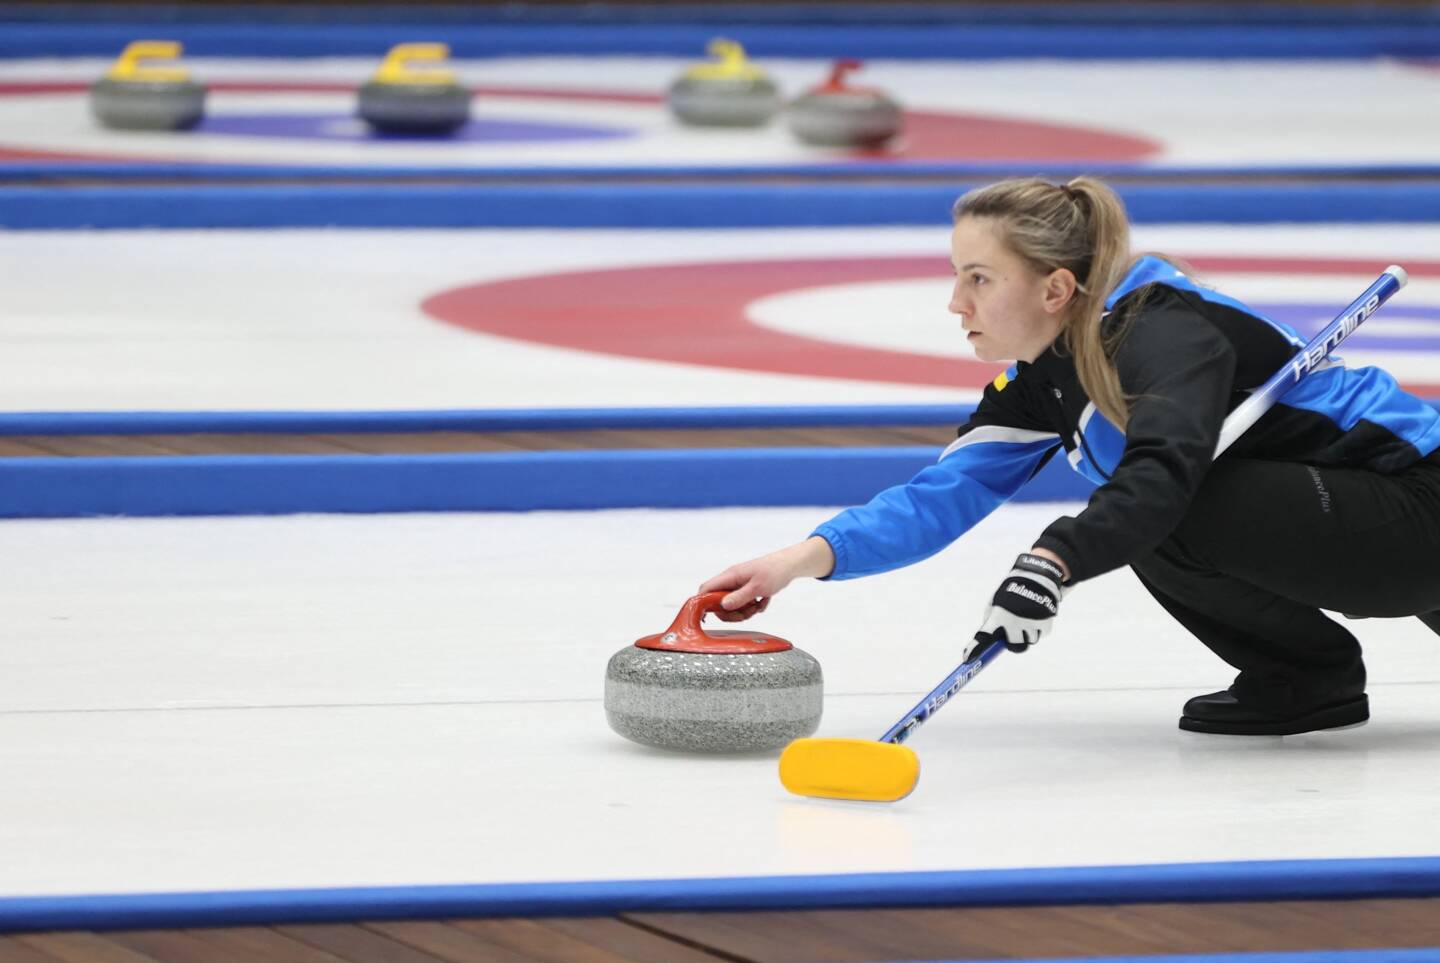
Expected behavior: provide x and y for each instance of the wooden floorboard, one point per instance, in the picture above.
(81, 947)
(356, 943)
(14, 951)
(862, 936)
(176, 946)
(262, 943)
(446, 942)
(441, 442)
(817, 936)
(597, 940)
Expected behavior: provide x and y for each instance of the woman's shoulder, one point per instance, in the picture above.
(1154, 303)
(1145, 272)
(1162, 328)
(1150, 293)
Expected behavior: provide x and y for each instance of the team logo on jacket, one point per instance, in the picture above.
(1005, 377)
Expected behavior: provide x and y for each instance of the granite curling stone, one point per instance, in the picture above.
(835, 114)
(729, 93)
(726, 691)
(137, 93)
(401, 99)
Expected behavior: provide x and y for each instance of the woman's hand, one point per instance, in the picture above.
(1024, 606)
(752, 584)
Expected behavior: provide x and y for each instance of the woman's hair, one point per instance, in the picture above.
(1082, 227)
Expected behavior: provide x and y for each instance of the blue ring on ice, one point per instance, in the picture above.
(346, 127)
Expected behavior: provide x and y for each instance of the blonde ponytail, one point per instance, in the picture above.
(1081, 227)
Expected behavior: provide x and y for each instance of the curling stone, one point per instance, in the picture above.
(138, 94)
(836, 114)
(401, 99)
(723, 691)
(729, 93)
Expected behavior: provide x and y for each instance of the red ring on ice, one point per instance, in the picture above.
(696, 313)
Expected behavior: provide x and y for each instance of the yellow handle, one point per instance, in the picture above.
(400, 64)
(132, 63)
(731, 64)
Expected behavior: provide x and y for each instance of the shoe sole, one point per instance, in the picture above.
(1342, 715)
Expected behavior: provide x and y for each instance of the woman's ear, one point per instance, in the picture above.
(1059, 290)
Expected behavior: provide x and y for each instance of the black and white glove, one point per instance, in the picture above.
(1023, 607)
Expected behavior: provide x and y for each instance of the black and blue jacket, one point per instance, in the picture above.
(1188, 356)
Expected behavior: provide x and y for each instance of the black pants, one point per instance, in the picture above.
(1266, 545)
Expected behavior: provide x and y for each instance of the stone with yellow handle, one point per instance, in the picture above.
(415, 92)
(727, 92)
(146, 89)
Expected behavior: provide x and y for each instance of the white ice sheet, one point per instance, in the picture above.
(333, 701)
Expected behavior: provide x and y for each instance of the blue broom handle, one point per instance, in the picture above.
(941, 694)
(1309, 358)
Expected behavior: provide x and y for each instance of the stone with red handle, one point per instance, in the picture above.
(729, 690)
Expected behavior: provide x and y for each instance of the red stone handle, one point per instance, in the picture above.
(693, 612)
(836, 81)
(685, 634)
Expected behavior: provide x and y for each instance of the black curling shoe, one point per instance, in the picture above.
(1223, 714)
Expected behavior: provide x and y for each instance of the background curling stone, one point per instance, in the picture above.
(400, 99)
(730, 93)
(723, 691)
(835, 114)
(138, 95)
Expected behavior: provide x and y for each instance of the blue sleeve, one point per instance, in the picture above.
(979, 472)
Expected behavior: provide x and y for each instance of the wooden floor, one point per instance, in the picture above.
(831, 936)
(440, 442)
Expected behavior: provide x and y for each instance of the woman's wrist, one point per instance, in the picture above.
(814, 558)
(1047, 554)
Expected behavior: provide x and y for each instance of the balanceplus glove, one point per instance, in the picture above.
(1023, 607)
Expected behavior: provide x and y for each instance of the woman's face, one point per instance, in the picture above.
(1009, 311)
